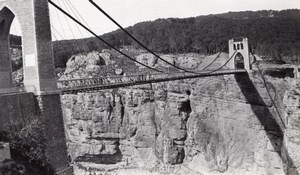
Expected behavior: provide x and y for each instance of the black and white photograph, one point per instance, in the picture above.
(149, 87)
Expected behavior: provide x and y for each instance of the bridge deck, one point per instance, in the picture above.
(99, 83)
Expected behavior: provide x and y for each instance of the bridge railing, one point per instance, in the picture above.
(111, 80)
(137, 78)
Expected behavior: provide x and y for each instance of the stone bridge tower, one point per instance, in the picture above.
(39, 70)
(239, 51)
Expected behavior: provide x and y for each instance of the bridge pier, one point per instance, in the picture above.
(51, 113)
(39, 71)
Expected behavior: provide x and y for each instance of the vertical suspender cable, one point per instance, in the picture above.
(78, 45)
(136, 40)
(86, 28)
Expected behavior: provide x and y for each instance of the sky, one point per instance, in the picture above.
(130, 12)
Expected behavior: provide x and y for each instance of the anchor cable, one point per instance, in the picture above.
(269, 93)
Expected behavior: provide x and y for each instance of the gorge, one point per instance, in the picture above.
(232, 124)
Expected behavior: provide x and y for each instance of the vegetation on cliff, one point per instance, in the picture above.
(271, 33)
(28, 146)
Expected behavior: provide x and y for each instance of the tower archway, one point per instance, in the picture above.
(239, 54)
(239, 62)
(38, 62)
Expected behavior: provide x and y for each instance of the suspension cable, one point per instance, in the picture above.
(69, 43)
(265, 84)
(224, 63)
(56, 38)
(63, 30)
(108, 44)
(67, 21)
(67, 6)
(136, 40)
(87, 29)
(214, 59)
(54, 30)
(76, 41)
(73, 9)
(269, 93)
(79, 17)
(64, 36)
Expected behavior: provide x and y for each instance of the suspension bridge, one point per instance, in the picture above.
(70, 13)
(40, 78)
(100, 82)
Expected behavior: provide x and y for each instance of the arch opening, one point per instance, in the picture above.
(11, 49)
(239, 62)
(16, 53)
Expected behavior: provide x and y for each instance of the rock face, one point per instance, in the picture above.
(216, 125)
(187, 61)
(92, 58)
(88, 65)
(4, 151)
(292, 134)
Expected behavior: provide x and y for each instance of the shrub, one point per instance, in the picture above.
(28, 145)
(10, 167)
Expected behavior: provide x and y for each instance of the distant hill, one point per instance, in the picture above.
(272, 34)
(291, 13)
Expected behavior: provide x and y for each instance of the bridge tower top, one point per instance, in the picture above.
(239, 50)
(38, 61)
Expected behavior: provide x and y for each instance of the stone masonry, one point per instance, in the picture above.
(39, 70)
(239, 46)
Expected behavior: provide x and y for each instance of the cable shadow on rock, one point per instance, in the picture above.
(271, 126)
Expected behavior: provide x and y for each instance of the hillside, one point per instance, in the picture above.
(272, 34)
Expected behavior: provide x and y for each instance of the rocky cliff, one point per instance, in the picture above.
(243, 124)
(292, 134)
